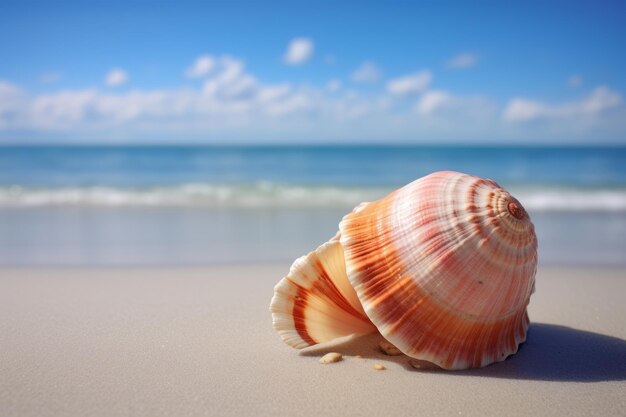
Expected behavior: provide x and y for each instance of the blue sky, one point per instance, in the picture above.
(292, 72)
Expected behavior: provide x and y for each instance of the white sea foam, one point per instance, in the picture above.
(268, 195)
(261, 194)
(572, 199)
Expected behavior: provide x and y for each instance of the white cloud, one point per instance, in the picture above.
(431, 101)
(10, 94)
(229, 98)
(520, 109)
(575, 80)
(462, 61)
(11, 103)
(333, 85)
(230, 80)
(410, 84)
(202, 66)
(272, 93)
(598, 101)
(116, 77)
(282, 111)
(368, 72)
(61, 109)
(299, 51)
(290, 104)
(454, 112)
(233, 104)
(49, 77)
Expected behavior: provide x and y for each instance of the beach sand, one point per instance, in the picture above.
(199, 341)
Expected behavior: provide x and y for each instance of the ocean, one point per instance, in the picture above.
(196, 205)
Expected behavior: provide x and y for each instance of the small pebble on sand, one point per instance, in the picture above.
(331, 357)
(379, 367)
(358, 357)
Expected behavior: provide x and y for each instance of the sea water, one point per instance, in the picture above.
(155, 205)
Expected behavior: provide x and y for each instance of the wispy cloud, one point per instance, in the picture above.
(368, 72)
(449, 107)
(49, 77)
(432, 101)
(115, 77)
(201, 67)
(299, 51)
(231, 102)
(462, 61)
(59, 110)
(230, 80)
(229, 97)
(575, 80)
(410, 84)
(599, 100)
(333, 85)
(11, 103)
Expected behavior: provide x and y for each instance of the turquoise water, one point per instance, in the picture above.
(353, 166)
(197, 205)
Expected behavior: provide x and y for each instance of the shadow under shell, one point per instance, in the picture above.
(550, 353)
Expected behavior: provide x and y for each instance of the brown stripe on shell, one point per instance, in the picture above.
(299, 321)
(325, 285)
(410, 314)
(315, 303)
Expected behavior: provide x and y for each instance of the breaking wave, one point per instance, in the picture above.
(271, 195)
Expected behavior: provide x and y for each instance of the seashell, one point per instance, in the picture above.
(316, 303)
(389, 349)
(331, 357)
(443, 268)
(422, 365)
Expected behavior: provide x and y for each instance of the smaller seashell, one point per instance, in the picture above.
(389, 349)
(379, 367)
(424, 365)
(331, 357)
(358, 357)
(315, 302)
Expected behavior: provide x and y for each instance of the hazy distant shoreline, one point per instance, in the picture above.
(127, 236)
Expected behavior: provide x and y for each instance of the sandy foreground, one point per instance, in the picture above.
(199, 341)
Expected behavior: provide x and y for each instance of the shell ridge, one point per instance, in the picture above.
(314, 303)
(425, 276)
(443, 267)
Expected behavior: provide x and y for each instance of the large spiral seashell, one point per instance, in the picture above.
(443, 268)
